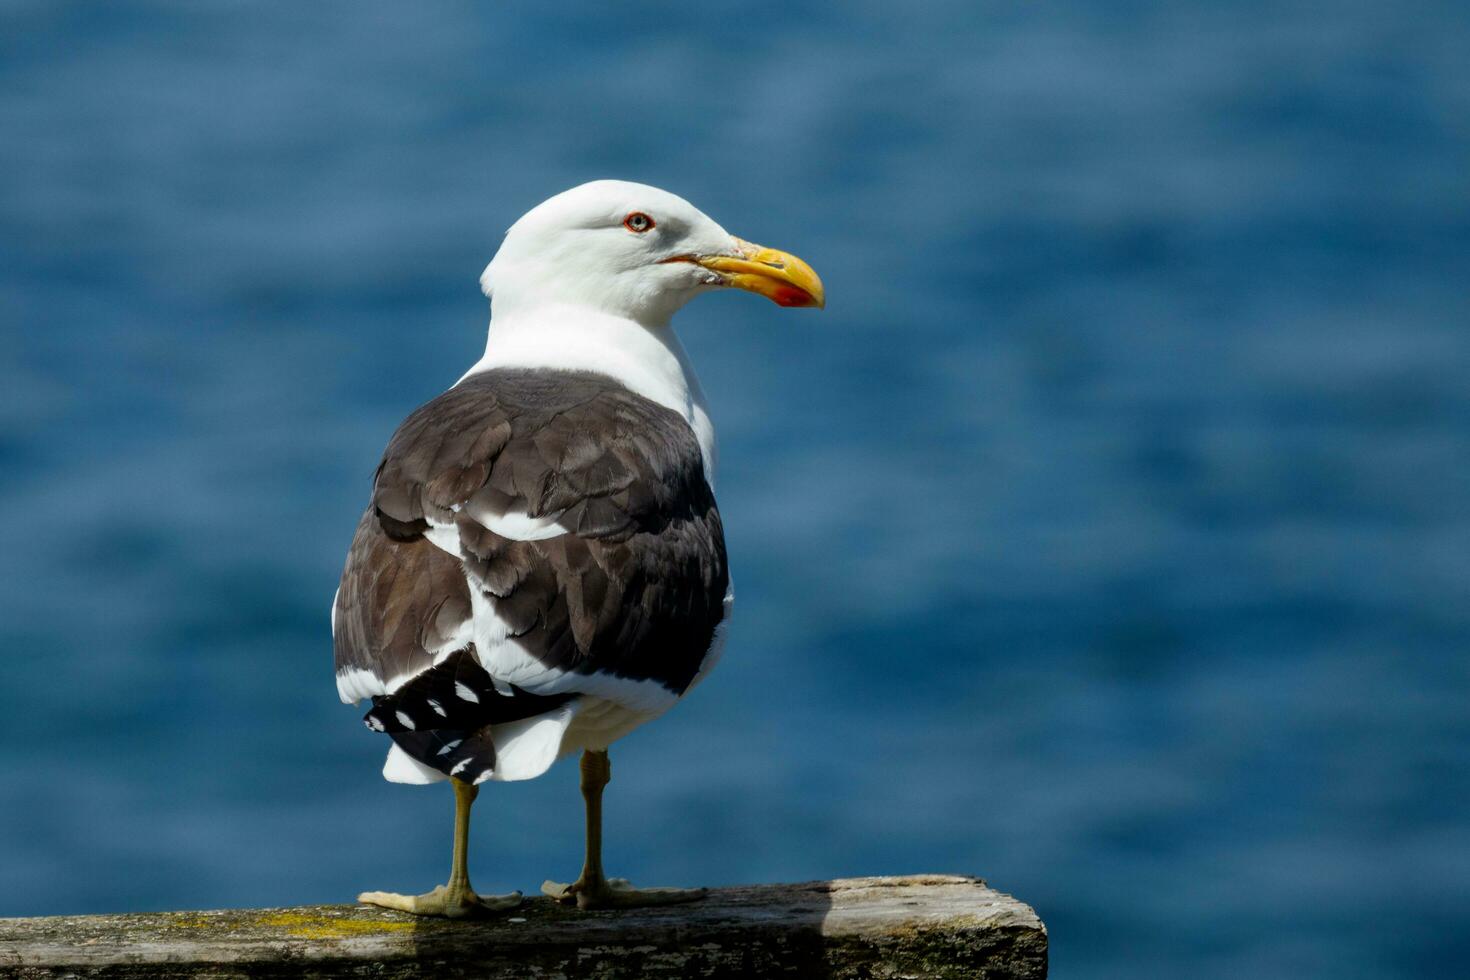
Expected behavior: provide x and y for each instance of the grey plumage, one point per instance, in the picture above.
(634, 587)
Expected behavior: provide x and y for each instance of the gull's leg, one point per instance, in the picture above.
(456, 899)
(593, 890)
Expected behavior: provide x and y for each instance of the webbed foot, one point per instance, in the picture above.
(451, 903)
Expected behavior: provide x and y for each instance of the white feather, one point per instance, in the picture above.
(508, 662)
(400, 767)
(354, 684)
(525, 749)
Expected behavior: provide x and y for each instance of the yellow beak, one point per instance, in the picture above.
(778, 276)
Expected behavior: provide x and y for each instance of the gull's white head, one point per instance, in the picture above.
(632, 251)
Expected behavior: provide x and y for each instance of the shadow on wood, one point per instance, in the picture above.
(914, 926)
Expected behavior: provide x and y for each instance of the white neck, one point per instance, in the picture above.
(647, 359)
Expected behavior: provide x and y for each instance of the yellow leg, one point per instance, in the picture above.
(456, 899)
(593, 890)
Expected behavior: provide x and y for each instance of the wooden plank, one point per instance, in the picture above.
(912, 926)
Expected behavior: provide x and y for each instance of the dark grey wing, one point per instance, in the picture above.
(401, 600)
(587, 550)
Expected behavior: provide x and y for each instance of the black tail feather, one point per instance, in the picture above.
(442, 716)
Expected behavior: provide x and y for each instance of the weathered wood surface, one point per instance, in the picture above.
(914, 926)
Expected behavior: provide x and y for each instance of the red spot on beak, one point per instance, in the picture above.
(791, 296)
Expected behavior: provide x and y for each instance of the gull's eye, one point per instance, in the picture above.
(638, 222)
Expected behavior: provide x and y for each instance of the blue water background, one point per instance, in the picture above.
(1108, 536)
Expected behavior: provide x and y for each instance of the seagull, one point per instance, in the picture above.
(541, 568)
